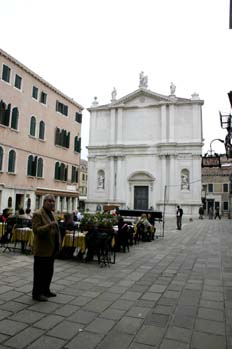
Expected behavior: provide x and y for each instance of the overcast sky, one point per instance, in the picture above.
(86, 47)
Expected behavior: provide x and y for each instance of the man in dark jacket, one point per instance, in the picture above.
(45, 246)
(179, 214)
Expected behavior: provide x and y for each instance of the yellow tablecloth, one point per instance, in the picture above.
(75, 240)
(23, 234)
(2, 229)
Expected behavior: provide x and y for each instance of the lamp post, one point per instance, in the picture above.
(210, 145)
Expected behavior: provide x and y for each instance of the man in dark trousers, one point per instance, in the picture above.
(45, 246)
(179, 214)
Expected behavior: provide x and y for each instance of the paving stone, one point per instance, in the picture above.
(81, 300)
(24, 338)
(186, 310)
(128, 325)
(97, 305)
(82, 317)
(212, 296)
(211, 304)
(27, 316)
(211, 314)
(65, 330)
(67, 310)
(11, 327)
(100, 325)
(113, 314)
(180, 320)
(115, 340)
(163, 309)
(149, 335)
(86, 340)
(179, 334)
(202, 341)
(210, 326)
(47, 342)
(159, 320)
(138, 312)
(171, 344)
(122, 304)
(151, 296)
(135, 345)
(12, 306)
(131, 295)
(49, 321)
(157, 288)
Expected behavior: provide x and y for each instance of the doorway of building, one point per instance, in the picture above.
(141, 197)
(19, 201)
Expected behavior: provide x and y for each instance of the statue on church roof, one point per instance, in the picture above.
(95, 102)
(143, 80)
(172, 89)
(114, 94)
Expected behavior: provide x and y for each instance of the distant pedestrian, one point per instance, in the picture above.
(179, 214)
(217, 213)
(210, 213)
(201, 212)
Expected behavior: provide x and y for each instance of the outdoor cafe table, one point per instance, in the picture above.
(22, 235)
(75, 239)
(2, 229)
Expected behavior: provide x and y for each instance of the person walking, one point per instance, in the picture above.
(217, 213)
(45, 247)
(179, 214)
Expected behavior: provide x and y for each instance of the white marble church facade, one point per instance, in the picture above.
(145, 149)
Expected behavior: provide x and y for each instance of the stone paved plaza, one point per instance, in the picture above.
(175, 292)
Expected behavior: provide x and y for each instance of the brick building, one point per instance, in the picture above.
(40, 140)
(216, 187)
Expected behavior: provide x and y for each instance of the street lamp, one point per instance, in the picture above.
(210, 145)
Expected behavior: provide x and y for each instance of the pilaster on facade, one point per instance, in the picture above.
(171, 123)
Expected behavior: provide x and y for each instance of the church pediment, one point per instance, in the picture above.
(141, 98)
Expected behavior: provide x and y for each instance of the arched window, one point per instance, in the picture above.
(30, 166)
(14, 118)
(32, 126)
(1, 158)
(41, 130)
(9, 201)
(11, 161)
(40, 168)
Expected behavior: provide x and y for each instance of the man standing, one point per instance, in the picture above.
(179, 214)
(45, 246)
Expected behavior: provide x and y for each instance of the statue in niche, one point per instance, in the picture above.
(143, 80)
(172, 89)
(184, 181)
(114, 94)
(101, 181)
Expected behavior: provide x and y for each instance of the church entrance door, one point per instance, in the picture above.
(141, 197)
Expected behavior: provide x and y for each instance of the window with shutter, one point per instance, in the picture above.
(1, 158)
(11, 161)
(32, 126)
(6, 73)
(14, 118)
(18, 81)
(35, 92)
(40, 168)
(29, 165)
(41, 129)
